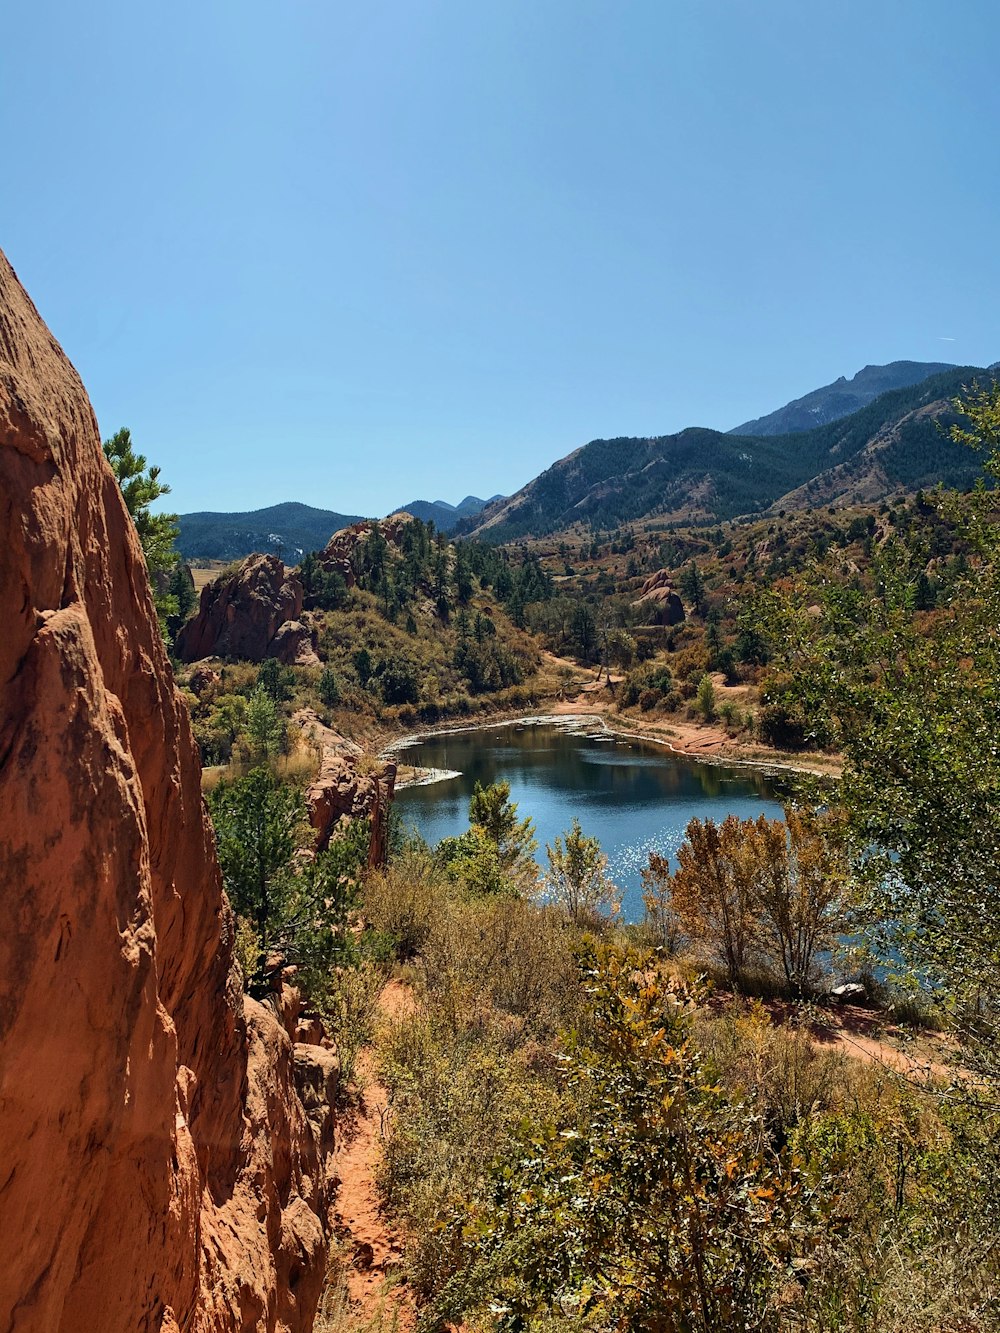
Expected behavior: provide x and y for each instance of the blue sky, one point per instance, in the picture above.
(360, 253)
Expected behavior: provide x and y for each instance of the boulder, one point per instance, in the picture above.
(851, 992)
(294, 644)
(660, 598)
(204, 680)
(160, 1170)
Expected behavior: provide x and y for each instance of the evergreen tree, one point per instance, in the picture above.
(583, 631)
(328, 687)
(141, 488)
(692, 587)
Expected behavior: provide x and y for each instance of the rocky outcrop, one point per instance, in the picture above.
(294, 644)
(159, 1169)
(242, 611)
(338, 554)
(342, 792)
(661, 601)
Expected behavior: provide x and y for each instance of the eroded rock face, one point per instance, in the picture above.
(158, 1169)
(241, 612)
(342, 792)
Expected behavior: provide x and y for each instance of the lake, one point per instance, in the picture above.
(636, 798)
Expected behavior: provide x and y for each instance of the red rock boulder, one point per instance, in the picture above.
(660, 599)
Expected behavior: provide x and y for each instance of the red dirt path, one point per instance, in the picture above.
(374, 1249)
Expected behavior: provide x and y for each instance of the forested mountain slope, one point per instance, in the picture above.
(288, 529)
(292, 529)
(892, 444)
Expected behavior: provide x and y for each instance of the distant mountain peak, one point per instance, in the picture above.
(444, 515)
(842, 397)
(892, 443)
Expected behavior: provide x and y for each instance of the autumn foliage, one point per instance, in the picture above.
(750, 889)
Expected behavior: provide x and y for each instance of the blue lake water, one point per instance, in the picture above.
(635, 798)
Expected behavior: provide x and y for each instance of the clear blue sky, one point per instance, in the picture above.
(361, 253)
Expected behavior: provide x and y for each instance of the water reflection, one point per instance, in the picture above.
(635, 798)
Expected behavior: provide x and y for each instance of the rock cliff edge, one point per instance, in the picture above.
(158, 1168)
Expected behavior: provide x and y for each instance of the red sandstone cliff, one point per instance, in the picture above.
(158, 1169)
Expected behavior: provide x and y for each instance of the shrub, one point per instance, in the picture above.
(405, 901)
(706, 698)
(654, 1202)
(577, 881)
(397, 681)
(349, 1006)
(779, 724)
(731, 716)
(492, 958)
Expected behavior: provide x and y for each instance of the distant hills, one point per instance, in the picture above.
(292, 529)
(842, 397)
(853, 441)
(444, 515)
(288, 529)
(893, 443)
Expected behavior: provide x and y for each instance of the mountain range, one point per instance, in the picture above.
(853, 441)
(291, 529)
(444, 515)
(896, 442)
(842, 397)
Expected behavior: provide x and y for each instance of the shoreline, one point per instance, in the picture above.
(579, 723)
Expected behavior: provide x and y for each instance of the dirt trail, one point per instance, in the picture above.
(372, 1248)
(921, 1056)
(866, 1035)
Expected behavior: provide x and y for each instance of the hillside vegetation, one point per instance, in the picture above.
(409, 628)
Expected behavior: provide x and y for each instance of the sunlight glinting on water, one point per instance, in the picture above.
(634, 798)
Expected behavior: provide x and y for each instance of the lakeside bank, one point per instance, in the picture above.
(762, 759)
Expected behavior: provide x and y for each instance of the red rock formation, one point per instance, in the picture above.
(658, 594)
(158, 1170)
(241, 612)
(337, 555)
(342, 792)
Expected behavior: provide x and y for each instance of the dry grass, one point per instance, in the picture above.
(205, 573)
(301, 765)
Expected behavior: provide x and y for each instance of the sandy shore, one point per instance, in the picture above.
(703, 742)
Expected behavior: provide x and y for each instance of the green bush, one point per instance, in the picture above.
(654, 1201)
(297, 906)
